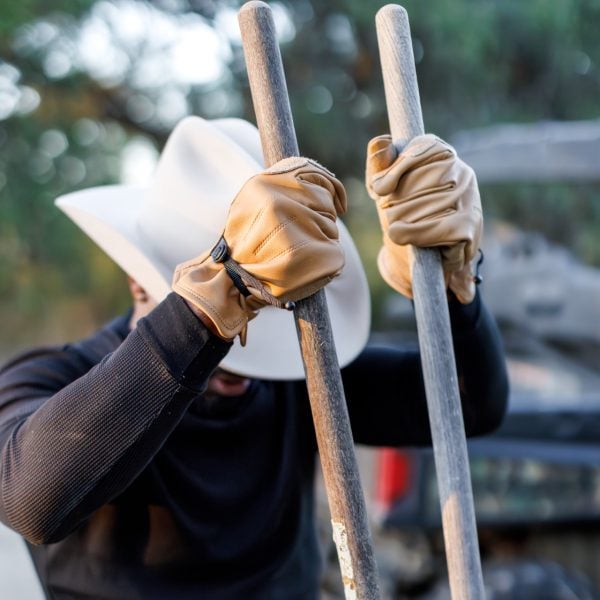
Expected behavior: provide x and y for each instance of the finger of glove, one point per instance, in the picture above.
(301, 255)
(449, 229)
(282, 229)
(396, 263)
(410, 191)
(300, 271)
(306, 169)
(436, 204)
(453, 257)
(260, 220)
(383, 178)
(381, 154)
(425, 189)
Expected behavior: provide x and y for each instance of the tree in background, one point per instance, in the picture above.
(89, 90)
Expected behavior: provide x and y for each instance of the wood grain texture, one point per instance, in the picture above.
(328, 404)
(433, 323)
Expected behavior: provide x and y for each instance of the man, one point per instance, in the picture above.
(132, 467)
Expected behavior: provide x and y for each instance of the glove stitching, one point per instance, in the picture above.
(375, 177)
(254, 221)
(290, 249)
(273, 233)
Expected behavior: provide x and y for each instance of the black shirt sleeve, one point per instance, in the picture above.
(74, 434)
(385, 391)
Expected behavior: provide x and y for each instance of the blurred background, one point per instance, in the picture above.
(89, 91)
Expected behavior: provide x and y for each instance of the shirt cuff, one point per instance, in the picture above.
(464, 317)
(182, 342)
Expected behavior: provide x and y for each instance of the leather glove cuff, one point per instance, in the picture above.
(207, 285)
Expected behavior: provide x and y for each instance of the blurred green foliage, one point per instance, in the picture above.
(65, 117)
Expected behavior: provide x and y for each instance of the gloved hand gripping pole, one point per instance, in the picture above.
(433, 324)
(330, 414)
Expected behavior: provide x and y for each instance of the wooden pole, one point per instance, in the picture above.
(330, 414)
(433, 323)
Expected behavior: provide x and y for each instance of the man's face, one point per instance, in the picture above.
(223, 383)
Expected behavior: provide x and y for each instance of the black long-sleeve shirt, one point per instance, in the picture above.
(128, 483)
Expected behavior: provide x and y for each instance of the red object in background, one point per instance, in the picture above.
(393, 476)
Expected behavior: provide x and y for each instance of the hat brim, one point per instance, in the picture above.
(272, 350)
(227, 151)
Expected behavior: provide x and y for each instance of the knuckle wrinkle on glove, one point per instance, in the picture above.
(427, 143)
(334, 201)
(300, 170)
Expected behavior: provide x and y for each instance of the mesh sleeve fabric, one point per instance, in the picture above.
(68, 448)
(385, 390)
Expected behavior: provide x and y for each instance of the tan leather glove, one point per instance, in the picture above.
(425, 196)
(282, 242)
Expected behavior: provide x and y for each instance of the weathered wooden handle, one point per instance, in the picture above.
(330, 413)
(433, 323)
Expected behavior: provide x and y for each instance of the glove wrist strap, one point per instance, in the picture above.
(242, 279)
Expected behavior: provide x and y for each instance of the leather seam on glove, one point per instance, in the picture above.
(290, 250)
(272, 234)
(254, 222)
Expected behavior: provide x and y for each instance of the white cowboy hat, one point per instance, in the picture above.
(147, 231)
